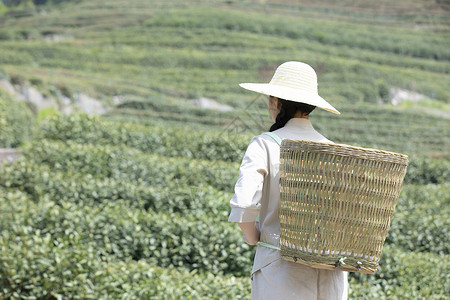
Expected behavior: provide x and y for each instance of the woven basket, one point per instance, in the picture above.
(337, 202)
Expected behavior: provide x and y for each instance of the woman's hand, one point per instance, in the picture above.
(251, 232)
(250, 241)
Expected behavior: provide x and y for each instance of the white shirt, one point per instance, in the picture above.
(257, 191)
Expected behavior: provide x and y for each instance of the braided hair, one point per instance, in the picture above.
(288, 110)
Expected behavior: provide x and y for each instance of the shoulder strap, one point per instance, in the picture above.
(268, 245)
(275, 137)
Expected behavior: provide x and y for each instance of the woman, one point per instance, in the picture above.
(293, 95)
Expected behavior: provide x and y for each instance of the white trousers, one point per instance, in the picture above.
(284, 280)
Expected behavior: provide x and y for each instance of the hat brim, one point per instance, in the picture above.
(290, 94)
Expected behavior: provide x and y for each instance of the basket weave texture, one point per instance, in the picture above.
(337, 202)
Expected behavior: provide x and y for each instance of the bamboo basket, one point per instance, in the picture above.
(336, 203)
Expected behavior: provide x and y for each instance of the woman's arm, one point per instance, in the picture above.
(251, 232)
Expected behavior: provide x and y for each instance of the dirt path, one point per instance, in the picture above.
(8, 155)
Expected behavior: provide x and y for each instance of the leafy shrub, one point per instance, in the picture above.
(36, 264)
(330, 33)
(22, 177)
(16, 122)
(167, 141)
(419, 223)
(88, 200)
(46, 113)
(421, 220)
(404, 275)
(124, 163)
(186, 240)
(12, 57)
(229, 145)
(7, 34)
(424, 170)
(49, 250)
(41, 182)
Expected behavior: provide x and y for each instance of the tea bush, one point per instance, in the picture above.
(421, 221)
(124, 163)
(184, 240)
(204, 49)
(120, 162)
(404, 275)
(36, 264)
(332, 34)
(16, 121)
(229, 145)
(71, 183)
(101, 202)
(426, 170)
(39, 182)
(48, 250)
(167, 141)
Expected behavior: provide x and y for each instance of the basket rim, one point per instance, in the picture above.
(342, 146)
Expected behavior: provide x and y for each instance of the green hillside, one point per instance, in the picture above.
(133, 204)
(159, 55)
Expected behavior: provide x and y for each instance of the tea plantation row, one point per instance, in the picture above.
(405, 131)
(117, 204)
(203, 49)
(226, 145)
(75, 249)
(39, 181)
(122, 162)
(420, 223)
(76, 172)
(16, 121)
(186, 240)
(40, 264)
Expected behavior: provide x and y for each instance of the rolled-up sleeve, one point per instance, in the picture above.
(246, 201)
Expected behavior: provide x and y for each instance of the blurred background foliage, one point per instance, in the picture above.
(133, 203)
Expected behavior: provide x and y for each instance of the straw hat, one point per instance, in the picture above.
(294, 81)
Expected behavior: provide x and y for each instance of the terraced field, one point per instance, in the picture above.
(133, 204)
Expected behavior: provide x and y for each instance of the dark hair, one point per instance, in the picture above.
(288, 110)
